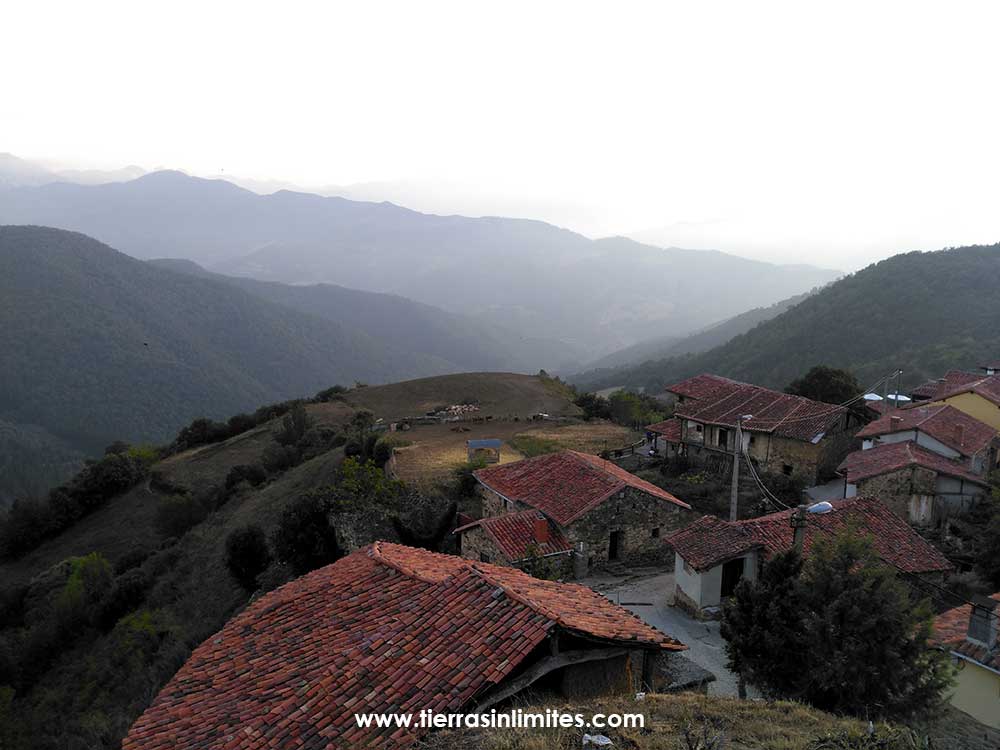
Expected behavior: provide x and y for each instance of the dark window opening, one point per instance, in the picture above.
(786, 469)
(483, 557)
(723, 438)
(655, 533)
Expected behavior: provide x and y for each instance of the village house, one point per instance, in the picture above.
(781, 433)
(917, 484)
(969, 634)
(940, 428)
(713, 555)
(604, 512)
(517, 540)
(392, 629)
(976, 395)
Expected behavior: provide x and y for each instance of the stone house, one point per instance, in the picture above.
(713, 555)
(917, 484)
(969, 634)
(520, 540)
(781, 433)
(942, 429)
(604, 512)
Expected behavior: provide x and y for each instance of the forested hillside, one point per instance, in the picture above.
(98, 346)
(922, 312)
(664, 347)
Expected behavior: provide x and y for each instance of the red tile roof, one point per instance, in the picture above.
(565, 485)
(943, 422)
(951, 627)
(956, 382)
(889, 457)
(723, 401)
(386, 629)
(710, 541)
(514, 532)
(669, 430)
(894, 541)
(704, 386)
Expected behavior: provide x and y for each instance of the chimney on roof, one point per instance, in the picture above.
(960, 434)
(798, 522)
(894, 423)
(983, 621)
(541, 529)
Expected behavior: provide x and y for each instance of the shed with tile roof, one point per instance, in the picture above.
(713, 555)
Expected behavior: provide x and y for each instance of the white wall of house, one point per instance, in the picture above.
(687, 579)
(850, 490)
(920, 438)
(705, 587)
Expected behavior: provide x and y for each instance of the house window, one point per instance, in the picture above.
(655, 533)
(687, 568)
(697, 428)
(723, 439)
(752, 438)
(483, 557)
(787, 469)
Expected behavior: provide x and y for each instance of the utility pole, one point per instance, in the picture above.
(737, 450)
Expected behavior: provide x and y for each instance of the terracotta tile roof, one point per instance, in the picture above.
(943, 422)
(889, 457)
(893, 539)
(386, 629)
(669, 430)
(723, 401)
(951, 627)
(956, 381)
(514, 532)
(565, 485)
(710, 541)
(704, 386)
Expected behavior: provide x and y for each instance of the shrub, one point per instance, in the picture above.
(334, 393)
(293, 426)
(305, 538)
(252, 474)
(382, 453)
(131, 559)
(279, 458)
(175, 515)
(247, 555)
(127, 593)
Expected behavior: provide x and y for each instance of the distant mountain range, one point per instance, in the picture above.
(923, 312)
(99, 346)
(596, 296)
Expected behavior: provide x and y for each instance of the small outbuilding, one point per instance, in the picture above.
(486, 450)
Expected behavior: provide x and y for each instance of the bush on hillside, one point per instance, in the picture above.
(176, 514)
(293, 426)
(252, 474)
(305, 538)
(247, 555)
(127, 593)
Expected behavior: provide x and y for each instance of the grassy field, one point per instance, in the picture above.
(685, 721)
(498, 394)
(435, 451)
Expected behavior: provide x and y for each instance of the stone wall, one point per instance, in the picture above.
(476, 543)
(802, 456)
(896, 488)
(636, 515)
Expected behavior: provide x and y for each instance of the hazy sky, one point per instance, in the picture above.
(827, 133)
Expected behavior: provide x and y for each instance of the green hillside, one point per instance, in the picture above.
(99, 347)
(922, 312)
